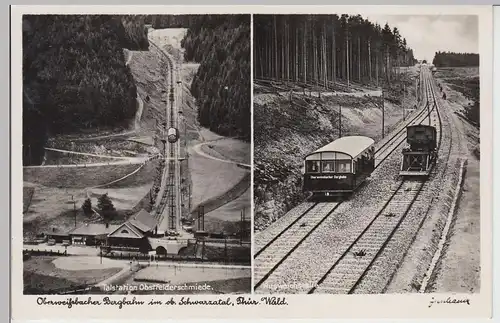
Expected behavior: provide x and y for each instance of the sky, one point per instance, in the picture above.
(431, 33)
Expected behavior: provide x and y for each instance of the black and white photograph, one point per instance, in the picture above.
(186, 162)
(136, 154)
(367, 154)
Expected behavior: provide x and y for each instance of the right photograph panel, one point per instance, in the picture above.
(364, 127)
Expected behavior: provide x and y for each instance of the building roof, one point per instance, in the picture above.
(126, 230)
(57, 232)
(143, 221)
(350, 145)
(94, 229)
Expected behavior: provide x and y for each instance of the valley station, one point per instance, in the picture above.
(132, 235)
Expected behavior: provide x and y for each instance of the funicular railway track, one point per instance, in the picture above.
(171, 186)
(354, 263)
(277, 245)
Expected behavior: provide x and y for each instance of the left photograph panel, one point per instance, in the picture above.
(136, 154)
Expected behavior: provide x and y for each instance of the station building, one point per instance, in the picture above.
(133, 233)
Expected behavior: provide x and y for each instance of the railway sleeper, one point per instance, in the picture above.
(341, 283)
(331, 290)
(369, 248)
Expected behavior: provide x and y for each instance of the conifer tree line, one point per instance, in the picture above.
(74, 75)
(321, 49)
(221, 86)
(449, 59)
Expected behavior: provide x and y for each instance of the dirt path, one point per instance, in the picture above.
(138, 115)
(197, 149)
(460, 268)
(89, 154)
(121, 160)
(130, 54)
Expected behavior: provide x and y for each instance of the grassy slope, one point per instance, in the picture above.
(231, 149)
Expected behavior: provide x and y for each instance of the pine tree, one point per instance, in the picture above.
(87, 207)
(320, 49)
(106, 207)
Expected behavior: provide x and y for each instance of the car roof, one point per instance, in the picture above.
(350, 145)
(420, 126)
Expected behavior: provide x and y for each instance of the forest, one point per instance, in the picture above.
(221, 86)
(321, 49)
(74, 75)
(449, 59)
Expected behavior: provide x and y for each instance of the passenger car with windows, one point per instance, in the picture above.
(339, 167)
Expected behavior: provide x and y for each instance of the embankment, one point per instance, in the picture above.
(228, 196)
(144, 175)
(419, 276)
(76, 177)
(287, 130)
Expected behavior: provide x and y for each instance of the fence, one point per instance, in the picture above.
(147, 257)
(51, 252)
(34, 242)
(80, 289)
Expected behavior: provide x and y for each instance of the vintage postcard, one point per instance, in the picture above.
(135, 154)
(227, 162)
(367, 154)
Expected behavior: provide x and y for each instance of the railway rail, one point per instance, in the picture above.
(284, 244)
(171, 178)
(381, 153)
(353, 264)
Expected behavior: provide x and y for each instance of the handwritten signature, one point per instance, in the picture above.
(449, 300)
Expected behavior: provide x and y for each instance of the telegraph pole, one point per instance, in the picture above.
(416, 90)
(189, 197)
(340, 121)
(347, 56)
(383, 112)
(74, 207)
(242, 225)
(429, 112)
(404, 97)
(202, 218)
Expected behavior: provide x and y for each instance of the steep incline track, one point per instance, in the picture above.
(169, 218)
(275, 245)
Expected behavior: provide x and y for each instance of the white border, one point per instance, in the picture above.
(300, 306)
(252, 206)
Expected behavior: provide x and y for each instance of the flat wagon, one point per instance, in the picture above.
(420, 152)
